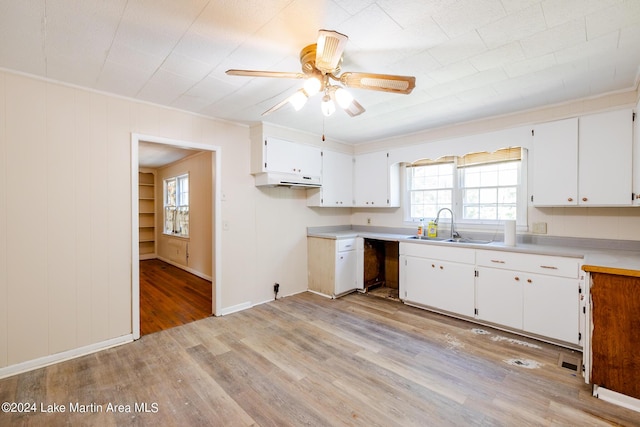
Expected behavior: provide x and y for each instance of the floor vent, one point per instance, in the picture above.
(570, 361)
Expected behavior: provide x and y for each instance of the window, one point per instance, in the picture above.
(478, 188)
(430, 188)
(176, 205)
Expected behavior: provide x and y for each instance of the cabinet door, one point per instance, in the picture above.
(289, 157)
(551, 307)
(443, 285)
(371, 176)
(499, 296)
(451, 287)
(345, 271)
(414, 272)
(337, 179)
(555, 163)
(605, 159)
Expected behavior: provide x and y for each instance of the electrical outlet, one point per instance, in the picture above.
(368, 220)
(539, 228)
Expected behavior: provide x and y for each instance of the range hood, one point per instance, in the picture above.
(278, 179)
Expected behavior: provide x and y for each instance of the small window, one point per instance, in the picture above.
(176, 205)
(478, 187)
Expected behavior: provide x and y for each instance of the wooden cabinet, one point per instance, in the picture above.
(146, 215)
(333, 265)
(376, 183)
(615, 334)
(538, 294)
(584, 161)
(277, 155)
(438, 277)
(337, 181)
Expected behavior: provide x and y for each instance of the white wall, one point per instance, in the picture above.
(198, 245)
(65, 217)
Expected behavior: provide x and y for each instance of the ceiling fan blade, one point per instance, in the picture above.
(354, 109)
(284, 102)
(258, 73)
(381, 82)
(329, 50)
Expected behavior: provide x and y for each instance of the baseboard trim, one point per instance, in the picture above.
(41, 362)
(187, 269)
(235, 308)
(616, 398)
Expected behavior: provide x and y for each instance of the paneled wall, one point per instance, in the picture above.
(65, 218)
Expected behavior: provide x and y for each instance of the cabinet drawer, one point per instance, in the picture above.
(440, 252)
(346, 244)
(540, 264)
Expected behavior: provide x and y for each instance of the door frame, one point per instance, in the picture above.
(216, 226)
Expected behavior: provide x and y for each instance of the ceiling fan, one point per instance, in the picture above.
(321, 63)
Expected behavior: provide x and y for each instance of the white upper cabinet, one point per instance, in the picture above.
(277, 155)
(584, 161)
(605, 159)
(376, 183)
(337, 181)
(555, 163)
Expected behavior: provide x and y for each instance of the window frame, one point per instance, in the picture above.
(179, 204)
(458, 190)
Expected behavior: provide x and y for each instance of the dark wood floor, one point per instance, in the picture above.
(170, 296)
(308, 360)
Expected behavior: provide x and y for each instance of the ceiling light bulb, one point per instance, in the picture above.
(298, 100)
(312, 86)
(343, 98)
(327, 106)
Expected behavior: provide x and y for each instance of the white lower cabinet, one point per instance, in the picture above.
(499, 297)
(538, 294)
(334, 265)
(438, 277)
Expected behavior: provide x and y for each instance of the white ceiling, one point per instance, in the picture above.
(471, 58)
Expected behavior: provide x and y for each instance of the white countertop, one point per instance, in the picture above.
(604, 258)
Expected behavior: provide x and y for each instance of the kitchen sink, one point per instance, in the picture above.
(454, 240)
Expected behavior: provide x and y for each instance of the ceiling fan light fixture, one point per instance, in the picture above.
(312, 86)
(298, 99)
(343, 98)
(327, 106)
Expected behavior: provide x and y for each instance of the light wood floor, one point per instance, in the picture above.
(308, 360)
(170, 296)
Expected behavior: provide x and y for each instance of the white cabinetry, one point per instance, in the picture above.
(277, 155)
(333, 265)
(376, 183)
(605, 159)
(337, 181)
(436, 276)
(538, 294)
(584, 161)
(555, 163)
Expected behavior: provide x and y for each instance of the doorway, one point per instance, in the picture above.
(141, 147)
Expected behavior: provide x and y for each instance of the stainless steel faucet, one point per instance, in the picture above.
(453, 232)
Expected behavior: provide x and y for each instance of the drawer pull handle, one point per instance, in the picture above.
(497, 261)
(516, 278)
(550, 267)
(529, 280)
(347, 246)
